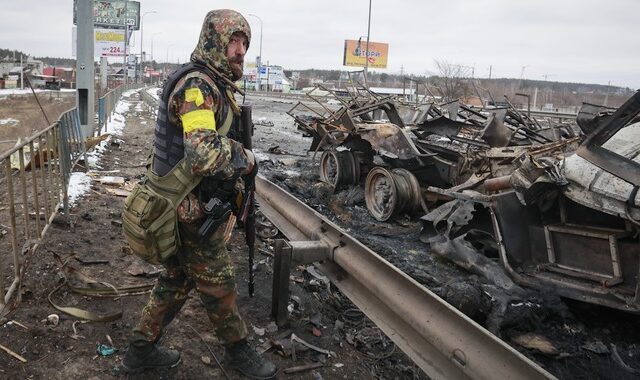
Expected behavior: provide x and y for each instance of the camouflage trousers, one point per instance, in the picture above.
(208, 268)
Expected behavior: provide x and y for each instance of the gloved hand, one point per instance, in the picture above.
(252, 167)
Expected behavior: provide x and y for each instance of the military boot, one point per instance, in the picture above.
(243, 358)
(140, 358)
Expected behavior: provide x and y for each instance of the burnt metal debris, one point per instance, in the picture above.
(552, 203)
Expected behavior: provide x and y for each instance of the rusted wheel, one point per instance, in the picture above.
(408, 189)
(380, 193)
(389, 193)
(339, 168)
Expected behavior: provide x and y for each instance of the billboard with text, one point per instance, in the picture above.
(112, 14)
(355, 53)
(109, 42)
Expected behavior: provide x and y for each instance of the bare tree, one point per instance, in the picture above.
(451, 80)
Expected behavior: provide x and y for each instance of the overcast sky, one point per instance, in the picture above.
(592, 41)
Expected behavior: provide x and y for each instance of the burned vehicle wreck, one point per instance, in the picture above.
(514, 199)
(565, 221)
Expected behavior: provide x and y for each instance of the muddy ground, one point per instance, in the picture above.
(90, 240)
(587, 342)
(21, 117)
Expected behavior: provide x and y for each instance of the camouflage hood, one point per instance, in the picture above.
(216, 32)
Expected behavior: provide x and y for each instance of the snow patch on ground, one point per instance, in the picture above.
(9, 121)
(115, 127)
(154, 92)
(123, 107)
(127, 94)
(139, 107)
(79, 184)
(26, 91)
(16, 91)
(261, 156)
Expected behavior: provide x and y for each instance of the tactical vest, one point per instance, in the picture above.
(168, 138)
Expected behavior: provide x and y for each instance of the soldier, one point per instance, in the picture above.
(198, 120)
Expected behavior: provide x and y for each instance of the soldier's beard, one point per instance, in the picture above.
(236, 68)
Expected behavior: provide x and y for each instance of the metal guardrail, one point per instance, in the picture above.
(150, 101)
(441, 340)
(107, 104)
(35, 177)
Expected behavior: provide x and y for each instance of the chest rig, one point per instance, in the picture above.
(168, 137)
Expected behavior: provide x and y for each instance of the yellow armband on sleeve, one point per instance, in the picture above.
(198, 119)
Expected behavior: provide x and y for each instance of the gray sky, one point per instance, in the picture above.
(592, 41)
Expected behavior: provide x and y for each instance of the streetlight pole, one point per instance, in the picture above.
(142, 55)
(366, 62)
(166, 62)
(260, 62)
(154, 34)
(125, 66)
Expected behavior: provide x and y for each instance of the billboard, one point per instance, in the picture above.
(355, 52)
(111, 14)
(109, 43)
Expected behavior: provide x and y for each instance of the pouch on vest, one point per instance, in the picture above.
(150, 218)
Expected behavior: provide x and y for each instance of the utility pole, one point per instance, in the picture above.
(21, 73)
(125, 67)
(490, 70)
(259, 61)
(522, 76)
(142, 52)
(366, 62)
(606, 97)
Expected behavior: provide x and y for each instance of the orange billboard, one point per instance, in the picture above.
(355, 52)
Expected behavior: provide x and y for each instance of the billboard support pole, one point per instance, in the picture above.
(103, 75)
(85, 70)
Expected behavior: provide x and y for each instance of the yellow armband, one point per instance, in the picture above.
(198, 119)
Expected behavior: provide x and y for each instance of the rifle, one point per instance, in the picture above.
(248, 212)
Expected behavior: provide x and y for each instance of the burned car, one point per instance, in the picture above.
(520, 202)
(565, 221)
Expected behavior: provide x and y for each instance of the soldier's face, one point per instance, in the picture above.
(236, 50)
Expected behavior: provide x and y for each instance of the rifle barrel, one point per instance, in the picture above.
(246, 126)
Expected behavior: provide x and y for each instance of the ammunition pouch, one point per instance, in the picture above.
(150, 219)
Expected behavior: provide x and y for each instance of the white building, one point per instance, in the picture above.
(270, 78)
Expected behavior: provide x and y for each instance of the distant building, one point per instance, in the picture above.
(10, 69)
(270, 78)
(66, 76)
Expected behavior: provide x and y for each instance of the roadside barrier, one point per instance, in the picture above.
(34, 176)
(107, 104)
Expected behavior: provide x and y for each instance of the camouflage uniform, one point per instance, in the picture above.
(200, 106)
